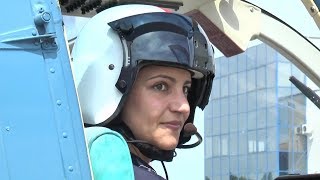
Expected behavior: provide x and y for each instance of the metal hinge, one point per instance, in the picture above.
(42, 35)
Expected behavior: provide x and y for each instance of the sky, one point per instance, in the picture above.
(189, 163)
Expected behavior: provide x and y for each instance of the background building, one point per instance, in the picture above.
(253, 118)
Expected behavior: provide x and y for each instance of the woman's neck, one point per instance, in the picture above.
(135, 151)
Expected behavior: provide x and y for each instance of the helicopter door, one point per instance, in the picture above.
(41, 130)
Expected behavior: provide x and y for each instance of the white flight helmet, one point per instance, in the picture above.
(115, 43)
(97, 62)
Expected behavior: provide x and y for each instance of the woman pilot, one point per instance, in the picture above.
(141, 72)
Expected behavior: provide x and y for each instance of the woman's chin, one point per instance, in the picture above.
(168, 144)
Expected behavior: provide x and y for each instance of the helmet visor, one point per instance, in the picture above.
(165, 37)
(162, 46)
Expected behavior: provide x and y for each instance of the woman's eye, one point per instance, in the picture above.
(186, 90)
(160, 87)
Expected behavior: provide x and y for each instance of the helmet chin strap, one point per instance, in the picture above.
(153, 152)
(147, 149)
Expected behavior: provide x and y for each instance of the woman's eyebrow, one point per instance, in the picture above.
(168, 77)
(163, 76)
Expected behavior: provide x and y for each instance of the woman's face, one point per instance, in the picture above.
(157, 106)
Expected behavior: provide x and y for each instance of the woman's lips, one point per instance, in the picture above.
(174, 125)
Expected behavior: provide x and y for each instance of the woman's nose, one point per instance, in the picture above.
(179, 103)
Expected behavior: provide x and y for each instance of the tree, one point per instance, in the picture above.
(270, 176)
(233, 177)
(267, 176)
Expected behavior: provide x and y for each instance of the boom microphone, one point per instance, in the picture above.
(189, 130)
